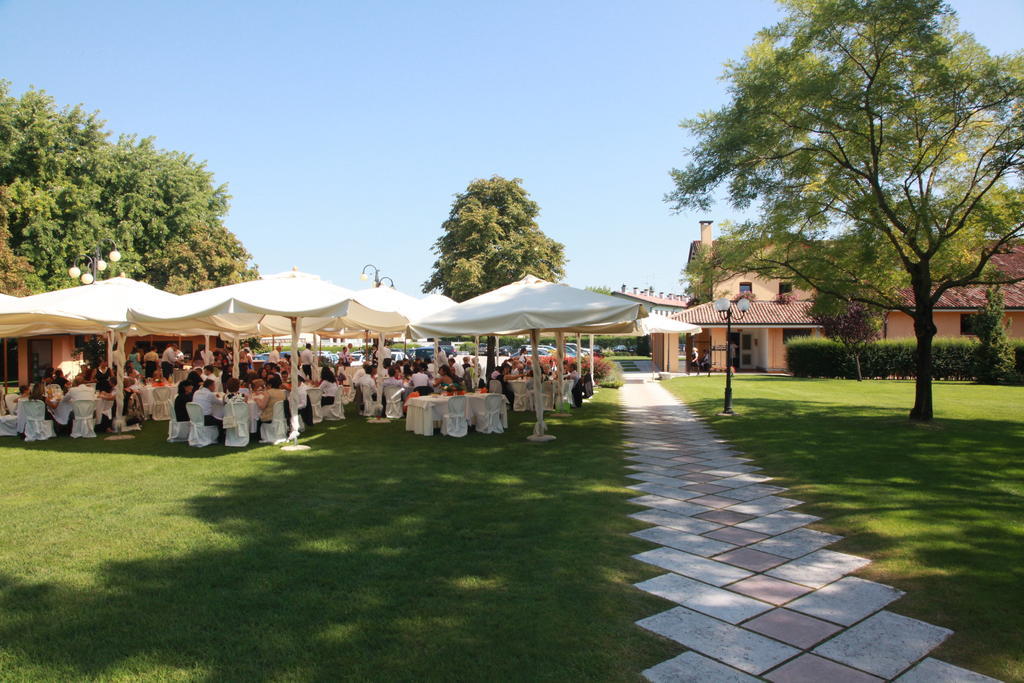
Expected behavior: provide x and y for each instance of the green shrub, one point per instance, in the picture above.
(614, 379)
(952, 359)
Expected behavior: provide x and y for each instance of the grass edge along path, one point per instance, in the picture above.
(378, 554)
(938, 508)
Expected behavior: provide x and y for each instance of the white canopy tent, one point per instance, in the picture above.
(532, 306)
(100, 308)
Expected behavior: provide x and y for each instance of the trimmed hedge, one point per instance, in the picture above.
(888, 359)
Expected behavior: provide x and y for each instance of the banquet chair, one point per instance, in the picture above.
(492, 422)
(236, 424)
(369, 406)
(549, 395)
(494, 386)
(10, 400)
(455, 422)
(393, 406)
(84, 425)
(177, 432)
(523, 398)
(334, 411)
(162, 403)
(199, 434)
(314, 403)
(37, 427)
(8, 425)
(277, 429)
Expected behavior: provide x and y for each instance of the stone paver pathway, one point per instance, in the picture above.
(759, 596)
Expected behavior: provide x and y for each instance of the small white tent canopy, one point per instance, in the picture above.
(656, 323)
(532, 306)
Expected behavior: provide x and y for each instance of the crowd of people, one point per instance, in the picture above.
(209, 381)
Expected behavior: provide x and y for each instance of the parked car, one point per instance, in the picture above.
(621, 348)
(427, 352)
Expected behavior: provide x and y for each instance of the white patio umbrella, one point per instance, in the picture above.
(100, 308)
(532, 306)
(286, 303)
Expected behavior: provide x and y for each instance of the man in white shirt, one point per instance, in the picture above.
(306, 361)
(206, 399)
(367, 386)
(168, 359)
(456, 368)
(385, 354)
(274, 356)
(420, 378)
(78, 392)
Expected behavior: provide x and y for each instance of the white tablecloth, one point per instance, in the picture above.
(426, 411)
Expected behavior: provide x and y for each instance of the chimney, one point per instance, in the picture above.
(634, 290)
(623, 288)
(661, 295)
(705, 233)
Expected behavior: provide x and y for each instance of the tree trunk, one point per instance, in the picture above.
(856, 358)
(924, 330)
(492, 341)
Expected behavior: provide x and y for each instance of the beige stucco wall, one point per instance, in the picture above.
(764, 289)
(899, 325)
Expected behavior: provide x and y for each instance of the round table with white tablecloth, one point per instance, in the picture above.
(426, 411)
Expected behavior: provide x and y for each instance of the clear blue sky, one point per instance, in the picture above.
(337, 124)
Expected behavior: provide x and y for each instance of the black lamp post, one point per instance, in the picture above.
(377, 279)
(95, 262)
(725, 311)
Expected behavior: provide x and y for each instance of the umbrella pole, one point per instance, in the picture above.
(560, 372)
(293, 400)
(538, 435)
(380, 419)
(593, 360)
(234, 357)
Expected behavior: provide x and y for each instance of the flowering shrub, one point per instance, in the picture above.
(603, 368)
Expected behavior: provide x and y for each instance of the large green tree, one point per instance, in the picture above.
(492, 239)
(881, 150)
(66, 186)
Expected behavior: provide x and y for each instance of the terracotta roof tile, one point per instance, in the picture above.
(1011, 264)
(760, 313)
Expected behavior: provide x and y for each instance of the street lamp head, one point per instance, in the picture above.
(101, 265)
(87, 278)
(115, 256)
(722, 305)
(75, 272)
(743, 305)
(364, 277)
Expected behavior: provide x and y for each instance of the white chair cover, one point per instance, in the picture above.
(549, 395)
(494, 386)
(84, 425)
(276, 430)
(455, 422)
(236, 424)
(335, 411)
(9, 401)
(199, 434)
(162, 408)
(394, 397)
(8, 425)
(492, 423)
(37, 427)
(347, 394)
(177, 432)
(370, 407)
(314, 403)
(523, 399)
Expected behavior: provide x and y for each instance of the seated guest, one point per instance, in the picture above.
(158, 377)
(63, 413)
(38, 393)
(266, 400)
(184, 396)
(233, 390)
(103, 372)
(328, 387)
(367, 385)
(207, 399)
(150, 362)
(420, 381)
(60, 380)
(444, 380)
(393, 379)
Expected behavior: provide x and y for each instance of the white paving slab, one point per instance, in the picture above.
(743, 480)
(691, 667)
(778, 522)
(753, 491)
(934, 671)
(715, 602)
(818, 568)
(664, 491)
(680, 540)
(659, 479)
(681, 522)
(796, 543)
(764, 506)
(670, 504)
(694, 566)
(729, 644)
(846, 601)
(884, 644)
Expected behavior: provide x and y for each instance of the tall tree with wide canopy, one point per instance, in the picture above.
(64, 186)
(491, 239)
(882, 151)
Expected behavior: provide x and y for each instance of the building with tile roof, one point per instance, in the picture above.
(666, 303)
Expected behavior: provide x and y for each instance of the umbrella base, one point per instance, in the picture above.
(378, 420)
(296, 447)
(540, 438)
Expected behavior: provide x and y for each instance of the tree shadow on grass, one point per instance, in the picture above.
(379, 555)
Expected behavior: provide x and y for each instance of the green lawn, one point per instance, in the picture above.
(940, 508)
(376, 555)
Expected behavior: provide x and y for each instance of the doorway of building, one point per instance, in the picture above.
(734, 350)
(40, 357)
